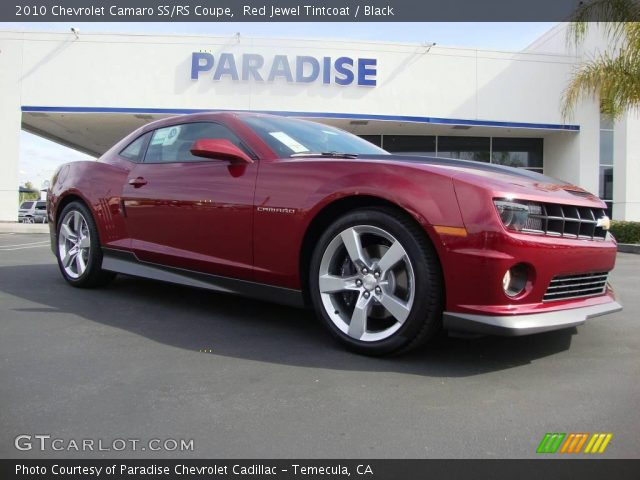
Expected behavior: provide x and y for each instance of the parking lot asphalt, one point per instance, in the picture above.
(246, 379)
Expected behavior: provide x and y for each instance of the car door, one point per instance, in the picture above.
(40, 212)
(190, 212)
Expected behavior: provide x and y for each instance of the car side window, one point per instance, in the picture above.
(135, 150)
(173, 144)
(41, 206)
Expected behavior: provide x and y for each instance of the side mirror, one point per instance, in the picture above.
(219, 149)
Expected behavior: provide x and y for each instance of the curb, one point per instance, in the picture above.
(629, 248)
(15, 227)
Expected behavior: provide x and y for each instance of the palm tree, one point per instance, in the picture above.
(612, 76)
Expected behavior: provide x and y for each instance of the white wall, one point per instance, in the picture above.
(553, 41)
(587, 115)
(574, 158)
(10, 118)
(154, 71)
(562, 157)
(626, 168)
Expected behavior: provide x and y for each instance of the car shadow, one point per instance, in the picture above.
(238, 327)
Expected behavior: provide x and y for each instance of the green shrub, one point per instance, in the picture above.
(626, 232)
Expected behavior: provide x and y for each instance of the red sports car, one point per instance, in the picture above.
(387, 249)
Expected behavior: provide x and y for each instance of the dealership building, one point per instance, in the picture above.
(86, 91)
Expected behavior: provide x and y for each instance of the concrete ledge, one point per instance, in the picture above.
(629, 247)
(15, 227)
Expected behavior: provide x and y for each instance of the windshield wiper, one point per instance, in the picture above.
(325, 154)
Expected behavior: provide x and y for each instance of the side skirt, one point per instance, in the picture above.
(126, 262)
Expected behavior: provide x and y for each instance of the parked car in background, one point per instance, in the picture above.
(33, 211)
(388, 249)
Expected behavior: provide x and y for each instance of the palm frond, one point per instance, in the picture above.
(610, 14)
(613, 77)
(614, 80)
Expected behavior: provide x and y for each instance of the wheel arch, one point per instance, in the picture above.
(93, 275)
(66, 200)
(331, 212)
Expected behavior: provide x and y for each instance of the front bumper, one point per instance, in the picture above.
(516, 325)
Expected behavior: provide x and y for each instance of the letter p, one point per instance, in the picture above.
(200, 62)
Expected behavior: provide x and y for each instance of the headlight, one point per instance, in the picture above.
(513, 215)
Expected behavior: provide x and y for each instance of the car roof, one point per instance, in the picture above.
(202, 116)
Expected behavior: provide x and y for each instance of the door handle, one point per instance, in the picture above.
(137, 182)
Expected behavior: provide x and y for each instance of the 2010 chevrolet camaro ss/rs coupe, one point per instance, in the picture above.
(387, 249)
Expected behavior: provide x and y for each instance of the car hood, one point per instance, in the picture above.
(510, 181)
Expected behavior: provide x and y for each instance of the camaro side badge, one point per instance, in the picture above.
(604, 222)
(276, 210)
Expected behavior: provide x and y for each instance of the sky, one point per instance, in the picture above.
(39, 157)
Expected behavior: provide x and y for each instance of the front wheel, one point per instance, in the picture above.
(375, 280)
(78, 248)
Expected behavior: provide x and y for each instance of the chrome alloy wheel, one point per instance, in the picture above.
(367, 283)
(74, 242)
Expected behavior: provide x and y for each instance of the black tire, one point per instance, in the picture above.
(93, 276)
(424, 319)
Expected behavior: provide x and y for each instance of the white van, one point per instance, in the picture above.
(33, 211)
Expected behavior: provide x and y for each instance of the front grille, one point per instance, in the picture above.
(576, 286)
(565, 221)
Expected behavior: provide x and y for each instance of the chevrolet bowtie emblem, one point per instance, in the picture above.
(604, 222)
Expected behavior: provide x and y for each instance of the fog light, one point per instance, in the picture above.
(506, 280)
(515, 280)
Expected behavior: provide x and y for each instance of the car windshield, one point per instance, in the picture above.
(291, 137)
(26, 205)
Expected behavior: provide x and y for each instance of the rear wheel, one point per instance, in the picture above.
(78, 248)
(376, 282)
